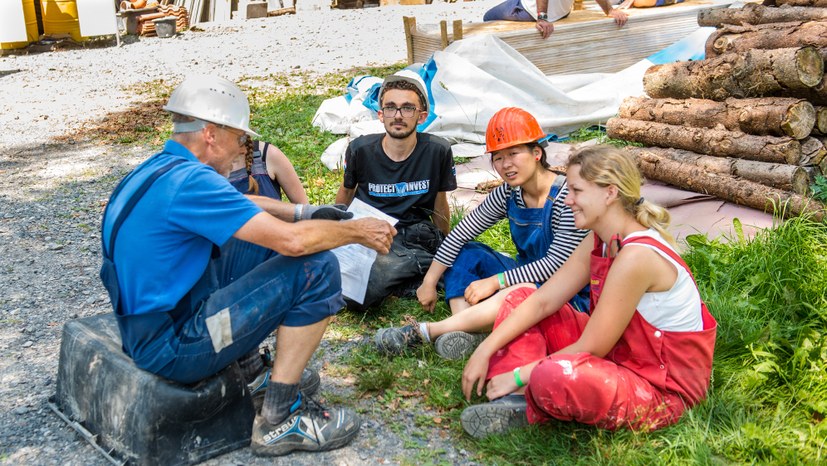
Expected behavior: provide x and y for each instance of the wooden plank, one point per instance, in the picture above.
(409, 23)
(457, 27)
(586, 41)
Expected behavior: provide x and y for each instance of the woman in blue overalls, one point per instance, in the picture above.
(266, 171)
(541, 226)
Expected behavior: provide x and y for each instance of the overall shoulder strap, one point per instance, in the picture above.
(668, 251)
(556, 187)
(130, 204)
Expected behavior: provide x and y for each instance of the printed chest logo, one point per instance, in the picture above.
(409, 188)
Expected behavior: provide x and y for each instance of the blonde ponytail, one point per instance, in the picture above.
(607, 165)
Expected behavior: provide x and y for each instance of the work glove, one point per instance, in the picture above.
(322, 212)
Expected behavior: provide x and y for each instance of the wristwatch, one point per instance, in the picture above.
(543, 16)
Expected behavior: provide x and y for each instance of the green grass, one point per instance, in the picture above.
(768, 398)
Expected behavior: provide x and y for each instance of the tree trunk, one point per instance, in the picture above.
(774, 116)
(753, 13)
(781, 176)
(726, 187)
(802, 3)
(729, 38)
(820, 126)
(756, 73)
(816, 95)
(717, 142)
(812, 151)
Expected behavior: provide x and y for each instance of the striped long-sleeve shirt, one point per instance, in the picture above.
(495, 208)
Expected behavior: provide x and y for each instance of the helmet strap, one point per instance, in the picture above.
(188, 126)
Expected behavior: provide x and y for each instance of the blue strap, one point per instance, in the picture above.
(556, 186)
(130, 204)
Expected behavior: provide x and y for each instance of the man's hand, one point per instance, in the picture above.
(375, 234)
(619, 16)
(323, 212)
(545, 28)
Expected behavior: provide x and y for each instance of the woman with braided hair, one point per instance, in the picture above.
(265, 170)
(638, 359)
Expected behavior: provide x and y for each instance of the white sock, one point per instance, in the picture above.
(423, 330)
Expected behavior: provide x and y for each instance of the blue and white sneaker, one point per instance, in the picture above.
(310, 427)
(308, 385)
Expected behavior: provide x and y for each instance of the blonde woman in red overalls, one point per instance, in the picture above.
(638, 359)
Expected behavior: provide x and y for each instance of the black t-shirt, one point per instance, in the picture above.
(406, 190)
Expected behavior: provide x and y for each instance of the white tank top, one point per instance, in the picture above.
(677, 309)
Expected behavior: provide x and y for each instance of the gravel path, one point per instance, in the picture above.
(51, 195)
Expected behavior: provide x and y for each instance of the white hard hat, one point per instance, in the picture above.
(212, 99)
(411, 77)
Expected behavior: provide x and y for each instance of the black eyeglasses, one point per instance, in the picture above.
(242, 138)
(407, 111)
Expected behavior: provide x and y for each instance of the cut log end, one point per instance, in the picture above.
(810, 66)
(801, 118)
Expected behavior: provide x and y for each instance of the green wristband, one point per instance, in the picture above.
(517, 378)
(501, 279)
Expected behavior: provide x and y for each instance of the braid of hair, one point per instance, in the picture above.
(248, 163)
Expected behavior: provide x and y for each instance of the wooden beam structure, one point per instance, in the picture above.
(586, 41)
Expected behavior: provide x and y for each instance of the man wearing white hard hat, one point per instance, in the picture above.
(199, 274)
(405, 174)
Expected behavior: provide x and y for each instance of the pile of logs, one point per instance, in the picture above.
(746, 124)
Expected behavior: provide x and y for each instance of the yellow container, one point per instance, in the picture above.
(61, 17)
(30, 16)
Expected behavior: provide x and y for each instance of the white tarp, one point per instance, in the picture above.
(475, 77)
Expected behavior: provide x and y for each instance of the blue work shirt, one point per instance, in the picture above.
(164, 245)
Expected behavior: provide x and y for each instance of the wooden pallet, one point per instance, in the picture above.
(586, 41)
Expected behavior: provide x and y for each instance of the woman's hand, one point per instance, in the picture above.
(501, 385)
(476, 369)
(481, 289)
(426, 294)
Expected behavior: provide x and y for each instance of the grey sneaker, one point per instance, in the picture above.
(310, 427)
(395, 340)
(495, 417)
(458, 345)
(308, 385)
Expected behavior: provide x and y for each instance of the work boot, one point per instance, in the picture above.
(309, 427)
(395, 340)
(308, 385)
(458, 345)
(495, 417)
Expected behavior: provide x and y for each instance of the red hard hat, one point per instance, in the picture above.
(511, 126)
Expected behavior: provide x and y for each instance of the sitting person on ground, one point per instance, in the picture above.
(199, 274)
(266, 171)
(405, 174)
(546, 12)
(638, 360)
(541, 226)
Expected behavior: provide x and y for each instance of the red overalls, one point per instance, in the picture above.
(645, 382)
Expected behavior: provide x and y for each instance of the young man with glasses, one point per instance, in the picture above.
(405, 174)
(199, 274)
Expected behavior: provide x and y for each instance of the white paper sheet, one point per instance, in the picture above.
(355, 260)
